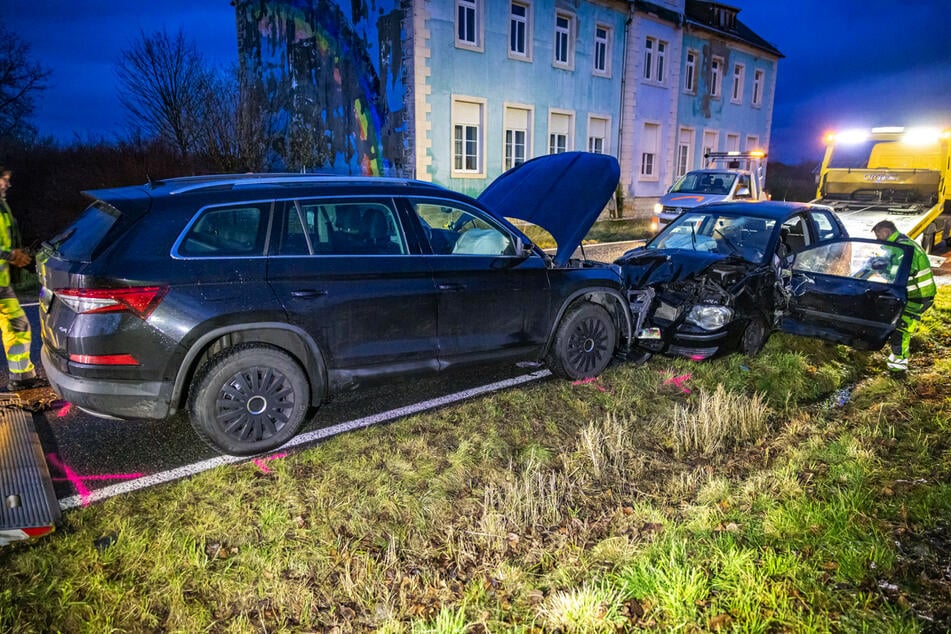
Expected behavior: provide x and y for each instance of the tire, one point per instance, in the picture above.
(249, 399)
(754, 336)
(584, 343)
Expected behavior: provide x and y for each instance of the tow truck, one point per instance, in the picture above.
(895, 173)
(727, 176)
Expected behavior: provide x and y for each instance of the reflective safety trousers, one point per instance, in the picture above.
(16, 336)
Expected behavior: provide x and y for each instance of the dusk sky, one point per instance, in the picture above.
(848, 63)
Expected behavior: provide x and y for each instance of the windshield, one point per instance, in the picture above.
(704, 183)
(86, 234)
(728, 234)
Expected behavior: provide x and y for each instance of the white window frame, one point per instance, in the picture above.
(708, 146)
(759, 76)
(458, 122)
(690, 72)
(597, 121)
(508, 160)
(602, 50)
(526, 25)
(739, 77)
(716, 77)
(570, 134)
(752, 142)
(655, 60)
(474, 10)
(650, 152)
(683, 160)
(564, 37)
(732, 143)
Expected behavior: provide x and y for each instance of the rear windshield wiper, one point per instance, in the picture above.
(54, 243)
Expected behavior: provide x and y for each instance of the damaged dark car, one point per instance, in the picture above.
(723, 277)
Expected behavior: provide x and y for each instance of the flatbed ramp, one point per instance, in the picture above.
(29, 506)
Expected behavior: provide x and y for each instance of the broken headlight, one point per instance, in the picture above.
(709, 316)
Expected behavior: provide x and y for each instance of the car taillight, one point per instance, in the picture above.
(104, 359)
(139, 300)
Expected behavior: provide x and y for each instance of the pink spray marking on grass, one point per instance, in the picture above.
(679, 382)
(79, 481)
(593, 379)
(262, 462)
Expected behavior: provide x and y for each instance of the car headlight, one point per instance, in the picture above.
(709, 317)
(658, 209)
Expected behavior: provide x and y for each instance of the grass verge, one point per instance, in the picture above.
(801, 490)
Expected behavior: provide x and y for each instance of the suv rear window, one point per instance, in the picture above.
(228, 231)
(80, 241)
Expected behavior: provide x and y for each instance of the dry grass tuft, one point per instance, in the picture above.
(718, 420)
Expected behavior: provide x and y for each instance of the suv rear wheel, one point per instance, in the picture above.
(584, 344)
(249, 399)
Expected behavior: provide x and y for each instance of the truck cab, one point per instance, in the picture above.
(894, 173)
(728, 176)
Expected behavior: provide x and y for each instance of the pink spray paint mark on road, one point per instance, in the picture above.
(679, 382)
(593, 379)
(79, 481)
(262, 462)
(64, 410)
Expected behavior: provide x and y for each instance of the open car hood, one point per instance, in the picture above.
(561, 193)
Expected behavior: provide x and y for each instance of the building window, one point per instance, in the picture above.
(655, 54)
(649, 144)
(684, 152)
(739, 72)
(559, 132)
(752, 143)
(520, 30)
(602, 50)
(564, 44)
(468, 23)
(690, 73)
(598, 135)
(710, 141)
(716, 76)
(732, 142)
(517, 124)
(758, 77)
(467, 136)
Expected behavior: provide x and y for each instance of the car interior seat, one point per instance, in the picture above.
(378, 231)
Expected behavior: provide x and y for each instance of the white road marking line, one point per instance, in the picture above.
(318, 434)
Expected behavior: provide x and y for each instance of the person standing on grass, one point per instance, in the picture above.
(13, 322)
(921, 292)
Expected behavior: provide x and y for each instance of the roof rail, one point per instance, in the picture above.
(238, 181)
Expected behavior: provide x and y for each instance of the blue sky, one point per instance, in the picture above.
(849, 63)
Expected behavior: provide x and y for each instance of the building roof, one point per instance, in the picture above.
(707, 15)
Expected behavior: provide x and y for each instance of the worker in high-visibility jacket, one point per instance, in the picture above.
(921, 292)
(14, 325)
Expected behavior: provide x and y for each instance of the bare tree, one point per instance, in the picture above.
(233, 137)
(21, 78)
(164, 85)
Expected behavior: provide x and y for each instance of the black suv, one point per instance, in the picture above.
(250, 299)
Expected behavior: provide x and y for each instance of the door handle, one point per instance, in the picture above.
(451, 286)
(308, 293)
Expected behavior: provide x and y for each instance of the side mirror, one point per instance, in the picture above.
(743, 192)
(523, 249)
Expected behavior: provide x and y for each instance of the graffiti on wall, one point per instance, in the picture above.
(328, 79)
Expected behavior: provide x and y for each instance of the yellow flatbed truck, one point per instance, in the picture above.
(896, 173)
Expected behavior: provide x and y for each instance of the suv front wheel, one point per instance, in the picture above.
(584, 344)
(249, 399)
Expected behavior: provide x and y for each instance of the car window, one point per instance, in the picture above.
(86, 234)
(743, 183)
(875, 261)
(794, 234)
(827, 229)
(341, 228)
(454, 230)
(228, 232)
